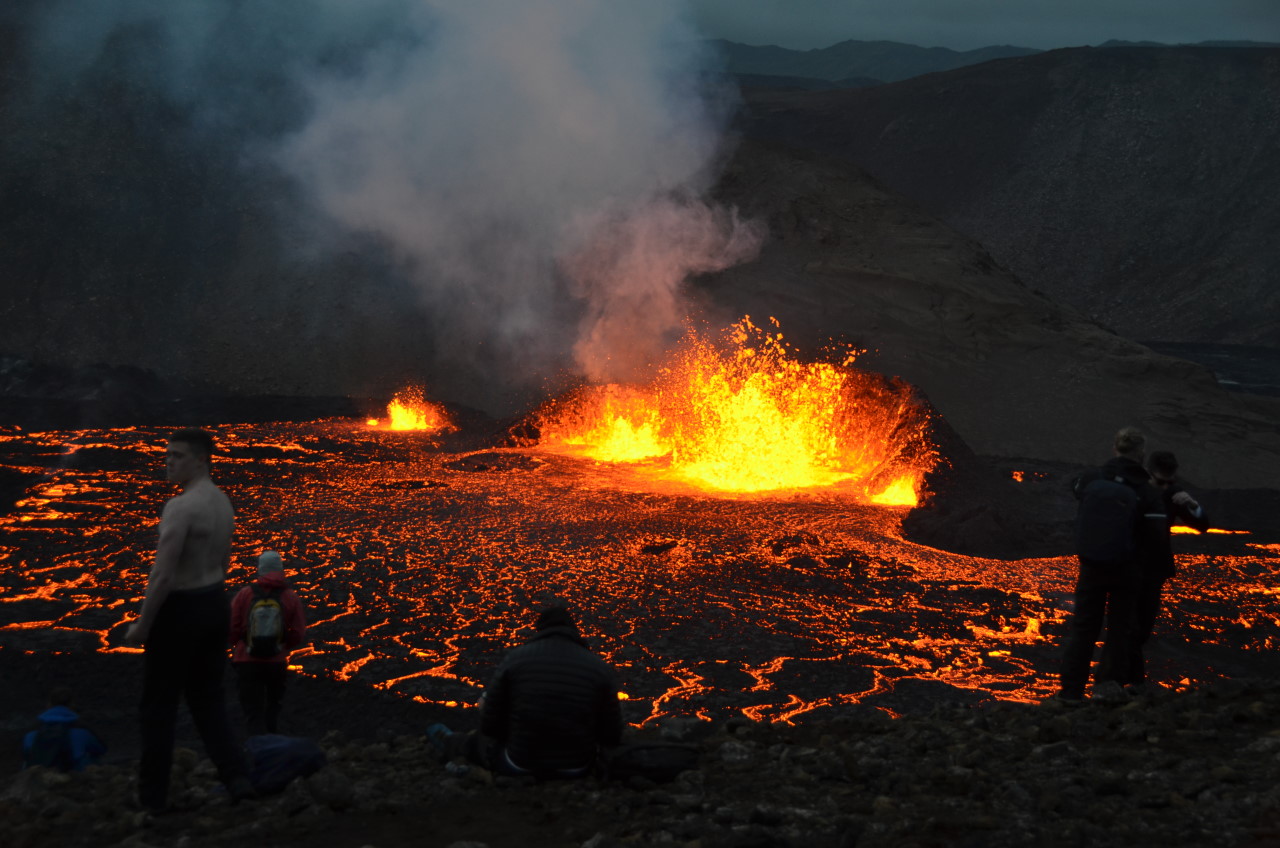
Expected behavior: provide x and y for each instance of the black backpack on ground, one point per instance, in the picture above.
(1107, 521)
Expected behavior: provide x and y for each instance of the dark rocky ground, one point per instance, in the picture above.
(1188, 768)
(1191, 768)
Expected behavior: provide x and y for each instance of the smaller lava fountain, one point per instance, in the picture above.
(409, 409)
(748, 416)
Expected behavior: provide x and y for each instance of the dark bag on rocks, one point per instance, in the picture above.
(275, 760)
(1107, 523)
(657, 761)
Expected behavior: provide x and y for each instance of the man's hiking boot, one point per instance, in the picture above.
(1062, 701)
(241, 789)
(1109, 692)
(441, 740)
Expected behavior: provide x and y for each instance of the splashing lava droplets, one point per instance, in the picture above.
(748, 416)
(410, 410)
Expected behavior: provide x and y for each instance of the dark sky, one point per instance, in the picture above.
(968, 24)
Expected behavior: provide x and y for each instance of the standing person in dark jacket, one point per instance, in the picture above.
(1181, 509)
(1107, 591)
(550, 709)
(260, 676)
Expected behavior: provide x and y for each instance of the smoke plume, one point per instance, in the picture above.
(530, 176)
(520, 156)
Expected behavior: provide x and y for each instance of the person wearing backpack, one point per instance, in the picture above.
(60, 742)
(1181, 509)
(267, 622)
(1120, 525)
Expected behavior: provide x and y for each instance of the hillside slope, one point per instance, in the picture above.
(1135, 184)
(1014, 373)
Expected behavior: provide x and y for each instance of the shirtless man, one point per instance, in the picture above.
(184, 623)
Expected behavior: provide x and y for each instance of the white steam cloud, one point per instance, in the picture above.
(520, 155)
(538, 168)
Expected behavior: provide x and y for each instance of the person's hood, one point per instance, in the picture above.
(1131, 470)
(562, 631)
(273, 580)
(59, 715)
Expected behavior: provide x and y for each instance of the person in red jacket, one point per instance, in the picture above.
(267, 622)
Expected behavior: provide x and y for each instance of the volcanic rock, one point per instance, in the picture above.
(1191, 768)
(1132, 183)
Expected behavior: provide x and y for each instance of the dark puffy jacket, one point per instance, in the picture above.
(1153, 531)
(553, 703)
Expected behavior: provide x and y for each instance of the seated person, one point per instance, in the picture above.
(61, 742)
(550, 710)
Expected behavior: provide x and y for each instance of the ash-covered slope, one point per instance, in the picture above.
(1014, 373)
(1136, 184)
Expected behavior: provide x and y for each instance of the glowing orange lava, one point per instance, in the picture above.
(1217, 530)
(748, 416)
(410, 410)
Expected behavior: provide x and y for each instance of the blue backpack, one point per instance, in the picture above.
(51, 747)
(1107, 522)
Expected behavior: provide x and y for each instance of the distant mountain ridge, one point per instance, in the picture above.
(851, 64)
(888, 61)
(1135, 184)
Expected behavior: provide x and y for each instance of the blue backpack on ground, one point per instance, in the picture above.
(50, 746)
(275, 760)
(1107, 522)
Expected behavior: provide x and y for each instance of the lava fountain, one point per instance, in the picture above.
(747, 416)
(409, 409)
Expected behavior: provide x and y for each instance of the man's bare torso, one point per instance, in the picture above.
(204, 514)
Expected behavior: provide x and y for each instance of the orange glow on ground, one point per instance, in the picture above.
(420, 567)
(1191, 531)
(748, 416)
(410, 410)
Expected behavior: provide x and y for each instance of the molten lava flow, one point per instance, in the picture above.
(1218, 530)
(410, 410)
(750, 417)
(772, 608)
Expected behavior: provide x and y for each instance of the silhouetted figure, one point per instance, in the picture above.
(1181, 509)
(184, 623)
(60, 742)
(1120, 525)
(267, 622)
(551, 709)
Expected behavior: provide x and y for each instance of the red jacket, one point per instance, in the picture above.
(295, 625)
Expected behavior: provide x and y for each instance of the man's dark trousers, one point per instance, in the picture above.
(1146, 611)
(186, 656)
(261, 688)
(1103, 593)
